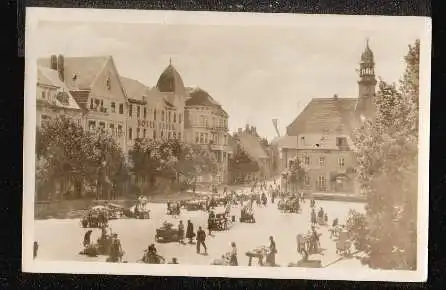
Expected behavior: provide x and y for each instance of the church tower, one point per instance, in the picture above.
(365, 106)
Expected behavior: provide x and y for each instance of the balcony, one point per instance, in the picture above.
(217, 147)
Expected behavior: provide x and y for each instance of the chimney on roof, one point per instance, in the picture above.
(60, 67)
(53, 62)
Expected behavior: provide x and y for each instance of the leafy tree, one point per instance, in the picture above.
(297, 173)
(69, 156)
(387, 169)
(241, 164)
(170, 159)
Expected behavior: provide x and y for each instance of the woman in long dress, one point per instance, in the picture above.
(233, 261)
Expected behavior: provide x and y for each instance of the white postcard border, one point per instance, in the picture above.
(34, 15)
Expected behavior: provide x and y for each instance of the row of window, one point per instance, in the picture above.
(143, 134)
(169, 116)
(111, 127)
(98, 105)
(205, 138)
(203, 121)
(322, 161)
(152, 125)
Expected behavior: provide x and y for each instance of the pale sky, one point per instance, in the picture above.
(256, 73)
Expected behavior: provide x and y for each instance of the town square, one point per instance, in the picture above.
(226, 145)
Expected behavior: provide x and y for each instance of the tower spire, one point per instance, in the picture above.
(170, 60)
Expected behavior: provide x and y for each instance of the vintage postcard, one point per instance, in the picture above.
(226, 144)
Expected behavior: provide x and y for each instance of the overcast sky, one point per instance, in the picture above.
(256, 73)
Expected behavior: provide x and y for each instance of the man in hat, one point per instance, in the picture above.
(201, 237)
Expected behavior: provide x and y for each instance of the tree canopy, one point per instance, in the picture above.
(67, 155)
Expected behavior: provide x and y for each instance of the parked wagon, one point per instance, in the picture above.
(96, 217)
(115, 211)
(247, 215)
(194, 205)
(220, 222)
(343, 245)
(259, 253)
(167, 234)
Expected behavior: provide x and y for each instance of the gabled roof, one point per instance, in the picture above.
(251, 145)
(199, 97)
(47, 76)
(325, 115)
(134, 89)
(84, 69)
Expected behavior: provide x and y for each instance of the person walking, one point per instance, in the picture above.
(233, 261)
(190, 231)
(273, 251)
(35, 248)
(201, 238)
(181, 232)
(87, 238)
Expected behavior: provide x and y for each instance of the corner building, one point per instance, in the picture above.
(321, 137)
(206, 124)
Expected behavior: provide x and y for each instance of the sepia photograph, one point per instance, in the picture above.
(219, 144)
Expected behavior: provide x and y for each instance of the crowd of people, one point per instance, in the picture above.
(259, 195)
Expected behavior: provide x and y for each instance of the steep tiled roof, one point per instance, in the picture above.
(134, 89)
(327, 115)
(47, 76)
(251, 145)
(81, 97)
(84, 69)
(199, 97)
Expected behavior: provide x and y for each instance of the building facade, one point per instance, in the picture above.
(91, 90)
(53, 98)
(321, 136)
(206, 124)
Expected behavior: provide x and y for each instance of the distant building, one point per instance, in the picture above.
(171, 87)
(206, 123)
(96, 87)
(321, 136)
(250, 143)
(53, 98)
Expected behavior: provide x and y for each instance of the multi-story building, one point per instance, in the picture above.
(96, 86)
(91, 90)
(321, 136)
(206, 123)
(171, 87)
(53, 98)
(149, 116)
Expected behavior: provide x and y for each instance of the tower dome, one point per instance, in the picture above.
(170, 81)
(367, 55)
